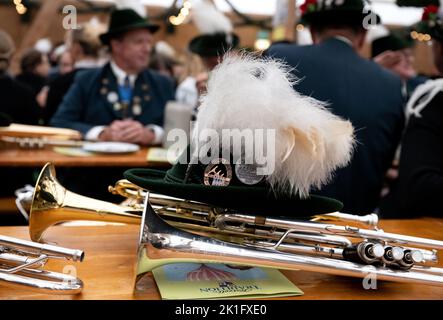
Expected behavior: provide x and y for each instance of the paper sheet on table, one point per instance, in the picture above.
(218, 281)
(73, 151)
(161, 155)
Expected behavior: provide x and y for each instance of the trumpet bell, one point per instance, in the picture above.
(53, 204)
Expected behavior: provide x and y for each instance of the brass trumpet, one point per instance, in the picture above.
(20, 263)
(177, 230)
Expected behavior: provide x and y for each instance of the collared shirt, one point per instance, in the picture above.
(94, 133)
(344, 39)
(121, 75)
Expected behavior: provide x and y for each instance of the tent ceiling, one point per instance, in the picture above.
(390, 13)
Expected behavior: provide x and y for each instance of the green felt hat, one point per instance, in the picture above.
(190, 182)
(396, 40)
(351, 12)
(431, 23)
(213, 45)
(125, 20)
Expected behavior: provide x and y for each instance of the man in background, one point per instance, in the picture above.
(123, 101)
(356, 89)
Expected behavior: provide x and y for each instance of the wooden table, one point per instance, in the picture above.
(107, 270)
(38, 158)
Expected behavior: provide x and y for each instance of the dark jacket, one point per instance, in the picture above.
(419, 187)
(87, 103)
(18, 102)
(361, 91)
(58, 88)
(32, 81)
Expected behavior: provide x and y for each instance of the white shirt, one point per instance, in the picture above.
(187, 93)
(120, 74)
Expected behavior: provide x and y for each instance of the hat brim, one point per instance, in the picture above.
(106, 38)
(253, 200)
(351, 16)
(436, 32)
(212, 45)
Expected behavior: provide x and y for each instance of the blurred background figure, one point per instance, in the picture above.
(356, 89)
(394, 50)
(420, 183)
(18, 100)
(62, 62)
(192, 80)
(35, 69)
(65, 63)
(34, 74)
(165, 61)
(215, 39)
(82, 51)
(18, 105)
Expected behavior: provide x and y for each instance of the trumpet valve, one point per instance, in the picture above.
(393, 255)
(366, 252)
(410, 258)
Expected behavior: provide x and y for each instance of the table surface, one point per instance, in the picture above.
(107, 270)
(38, 158)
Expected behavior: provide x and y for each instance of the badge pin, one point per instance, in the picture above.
(117, 106)
(137, 109)
(112, 97)
(218, 173)
(247, 174)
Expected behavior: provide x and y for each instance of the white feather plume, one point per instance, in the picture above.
(209, 19)
(136, 5)
(311, 142)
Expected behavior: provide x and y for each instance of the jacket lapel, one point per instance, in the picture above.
(109, 92)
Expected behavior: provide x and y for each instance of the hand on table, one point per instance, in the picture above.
(129, 131)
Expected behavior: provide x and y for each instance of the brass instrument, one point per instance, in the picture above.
(176, 230)
(38, 137)
(40, 143)
(21, 262)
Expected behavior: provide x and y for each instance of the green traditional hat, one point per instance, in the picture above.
(125, 20)
(212, 45)
(395, 40)
(188, 182)
(335, 11)
(247, 93)
(432, 22)
(216, 31)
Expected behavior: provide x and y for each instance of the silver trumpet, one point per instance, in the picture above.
(162, 244)
(179, 230)
(21, 262)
